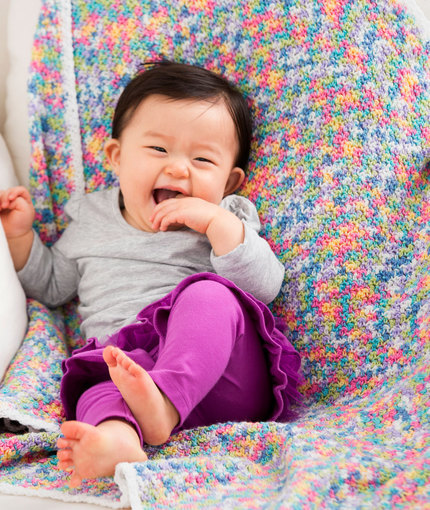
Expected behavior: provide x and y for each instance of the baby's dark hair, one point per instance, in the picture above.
(184, 81)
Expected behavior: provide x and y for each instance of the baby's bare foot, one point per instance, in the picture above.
(154, 412)
(92, 452)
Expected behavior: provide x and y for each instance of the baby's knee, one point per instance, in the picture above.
(209, 292)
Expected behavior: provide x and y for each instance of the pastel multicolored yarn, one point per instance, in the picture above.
(35, 369)
(30, 459)
(335, 166)
(340, 94)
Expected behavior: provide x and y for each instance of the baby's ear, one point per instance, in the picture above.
(235, 179)
(113, 153)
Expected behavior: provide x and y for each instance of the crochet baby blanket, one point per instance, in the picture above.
(339, 91)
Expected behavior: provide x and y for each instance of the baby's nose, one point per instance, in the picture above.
(177, 169)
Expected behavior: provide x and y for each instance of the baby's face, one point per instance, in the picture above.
(173, 147)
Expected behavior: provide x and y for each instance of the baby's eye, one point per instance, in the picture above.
(204, 160)
(158, 149)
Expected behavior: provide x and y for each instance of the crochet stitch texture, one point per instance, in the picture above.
(339, 91)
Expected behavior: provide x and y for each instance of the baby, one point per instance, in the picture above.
(171, 275)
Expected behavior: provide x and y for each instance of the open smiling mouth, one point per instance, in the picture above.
(161, 194)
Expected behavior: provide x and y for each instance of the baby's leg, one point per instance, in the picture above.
(211, 363)
(92, 452)
(209, 347)
(153, 411)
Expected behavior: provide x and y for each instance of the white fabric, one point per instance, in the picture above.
(13, 313)
(7, 174)
(4, 64)
(21, 23)
(71, 102)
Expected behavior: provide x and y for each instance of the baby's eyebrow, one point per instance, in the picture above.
(212, 147)
(155, 134)
(212, 144)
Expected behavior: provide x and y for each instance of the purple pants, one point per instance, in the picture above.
(207, 347)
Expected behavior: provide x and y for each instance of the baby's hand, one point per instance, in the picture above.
(16, 211)
(223, 229)
(192, 212)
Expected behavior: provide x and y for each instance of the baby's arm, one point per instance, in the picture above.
(223, 229)
(49, 276)
(45, 273)
(239, 253)
(252, 266)
(17, 215)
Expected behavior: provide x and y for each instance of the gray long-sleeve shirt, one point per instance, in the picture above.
(116, 270)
